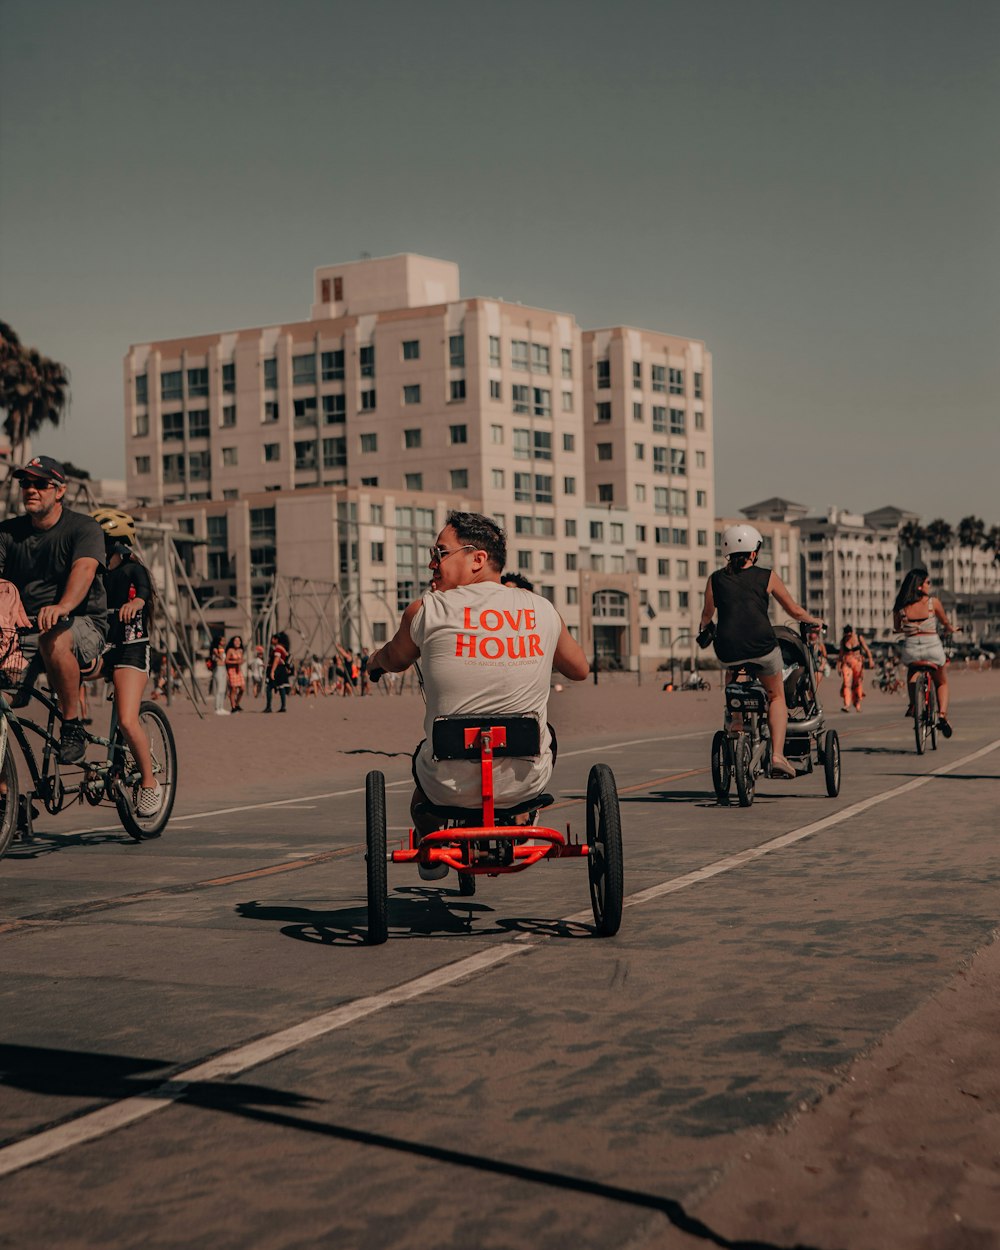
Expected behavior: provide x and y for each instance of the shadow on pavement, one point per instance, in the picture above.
(40, 844)
(104, 1077)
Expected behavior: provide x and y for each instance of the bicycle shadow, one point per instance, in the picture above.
(38, 845)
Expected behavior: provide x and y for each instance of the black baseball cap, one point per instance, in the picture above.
(43, 467)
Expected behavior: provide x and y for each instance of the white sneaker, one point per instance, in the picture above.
(222, 711)
(150, 801)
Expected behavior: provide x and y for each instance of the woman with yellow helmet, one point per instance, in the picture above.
(131, 598)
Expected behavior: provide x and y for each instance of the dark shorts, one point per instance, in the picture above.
(128, 655)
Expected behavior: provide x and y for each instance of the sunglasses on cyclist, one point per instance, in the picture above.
(439, 553)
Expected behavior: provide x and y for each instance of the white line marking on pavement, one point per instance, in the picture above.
(95, 1124)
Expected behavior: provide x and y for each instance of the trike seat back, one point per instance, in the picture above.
(457, 737)
(746, 696)
(501, 814)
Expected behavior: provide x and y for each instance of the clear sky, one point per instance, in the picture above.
(813, 188)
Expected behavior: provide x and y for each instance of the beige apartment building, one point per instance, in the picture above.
(328, 452)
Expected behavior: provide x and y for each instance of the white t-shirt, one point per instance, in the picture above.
(485, 649)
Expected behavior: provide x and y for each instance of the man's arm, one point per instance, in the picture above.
(400, 652)
(81, 577)
(569, 658)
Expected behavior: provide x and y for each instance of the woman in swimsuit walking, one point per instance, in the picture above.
(915, 615)
(851, 661)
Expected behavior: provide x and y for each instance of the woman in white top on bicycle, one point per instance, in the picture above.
(915, 615)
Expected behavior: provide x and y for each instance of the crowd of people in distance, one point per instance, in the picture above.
(278, 675)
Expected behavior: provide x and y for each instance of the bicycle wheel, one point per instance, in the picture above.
(375, 856)
(722, 769)
(154, 724)
(604, 838)
(831, 762)
(742, 771)
(919, 689)
(932, 713)
(8, 799)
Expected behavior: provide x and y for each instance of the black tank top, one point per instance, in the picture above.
(744, 631)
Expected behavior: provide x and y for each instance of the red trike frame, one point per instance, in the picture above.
(456, 847)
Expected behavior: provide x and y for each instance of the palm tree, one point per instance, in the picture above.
(33, 390)
(911, 535)
(971, 532)
(991, 542)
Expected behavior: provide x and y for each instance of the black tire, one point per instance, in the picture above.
(722, 768)
(604, 838)
(831, 762)
(153, 721)
(932, 713)
(742, 772)
(466, 884)
(919, 710)
(375, 856)
(8, 799)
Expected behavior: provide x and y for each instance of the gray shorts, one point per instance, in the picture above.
(769, 665)
(88, 638)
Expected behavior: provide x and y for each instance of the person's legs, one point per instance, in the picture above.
(858, 691)
(940, 676)
(63, 668)
(129, 684)
(846, 676)
(777, 719)
(283, 691)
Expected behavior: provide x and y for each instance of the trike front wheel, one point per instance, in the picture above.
(722, 771)
(154, 724)
(604, 839)
(743, 770)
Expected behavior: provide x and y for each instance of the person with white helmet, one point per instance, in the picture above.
(739, 594)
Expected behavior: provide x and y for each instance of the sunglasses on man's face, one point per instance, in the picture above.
(31, 483)
(439, 553)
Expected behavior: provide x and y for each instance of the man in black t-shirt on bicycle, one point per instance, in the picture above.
(53, 556)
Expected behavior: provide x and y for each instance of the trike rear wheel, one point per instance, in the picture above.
(604, 838)
(722, 769)
(831, 762)
(375, 856)
(466, 884)
(743, 770)
(8, 799)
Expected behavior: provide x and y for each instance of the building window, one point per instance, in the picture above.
(640, 450)
(272, 452)
(458, 434)
(229, 378)
(411, 349)
(496, 434)
(567, 401)
(456, 351)
(524, 561)
(678, 461)
(141, 424)
(530, 444)
(414, 481)
(683, 600)
(271, 410)
(173, 427)
(519, 354)
(228, 416)
(640, 492)
(676, 381)
(229, 457)
(520, 398)
(411, 394)
(141, 388)
(376, 514)
(569, 442)
(637, 412)
(543, 402)
(567, 362)
(494, 389)
(605, 451)
(332, 366)
(569, 485)
(305, 454)
(605, 493)
(334, 409)
(172, 385)
(702, 538)
(572, 595)
(659, 419)
(378, 553)
(702, 568)
(659, 377)
(663, 568)
(335, 453)
(142, 465)
(539, 358)
(459, 479)
(699, 459)
(305, 411)
(701, 498)
(366, 357)
(304, 370)
(637, 375)
(412, 439)
(199, 466)
(603, 375)
(497, 479)
(197, 382)
(676, 420)
(457, 389)
(616, 530)
(698, 386)
(367, 401)
(369, 443)
(597, 531)
(271, 373)
(569, 528)
(173, 468)
(603, 411)
(663, 600)
(659, 459)
(495, 351)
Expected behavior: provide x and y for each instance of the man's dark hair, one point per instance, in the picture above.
(483, 533)
(517, 579)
